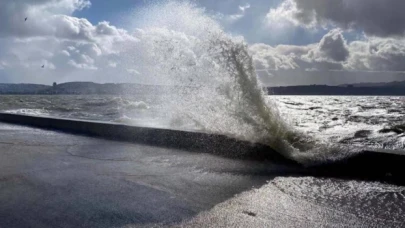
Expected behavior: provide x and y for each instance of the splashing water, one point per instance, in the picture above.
(213, 80)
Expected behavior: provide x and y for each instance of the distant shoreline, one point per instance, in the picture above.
(323, 90)
(91, 88)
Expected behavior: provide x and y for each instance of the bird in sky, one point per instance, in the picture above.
(43, 66)
(26, 19)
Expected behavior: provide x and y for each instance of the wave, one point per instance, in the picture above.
(219, 91)
(118, 102)
(27, 111)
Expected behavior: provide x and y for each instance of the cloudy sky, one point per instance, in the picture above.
(292, 41)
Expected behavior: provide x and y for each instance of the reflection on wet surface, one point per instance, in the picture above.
(309, 202)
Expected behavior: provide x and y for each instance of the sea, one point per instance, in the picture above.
(375, 122)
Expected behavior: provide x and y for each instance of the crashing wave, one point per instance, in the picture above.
(216, 85)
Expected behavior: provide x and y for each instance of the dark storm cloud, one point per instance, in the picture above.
(382, 18)
(333, 46)
(299, 77)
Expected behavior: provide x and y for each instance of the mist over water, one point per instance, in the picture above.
(215, 83)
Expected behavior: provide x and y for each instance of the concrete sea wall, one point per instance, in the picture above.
(183, 140)
(371, 164)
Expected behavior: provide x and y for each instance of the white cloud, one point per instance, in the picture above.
(332, 53)
(245, 7)
(43, 16)
(112, 64)
(268, 58)
(374, 17)
(52, 37)
(3, 65)
(232, 18)
(328, 54)
(377, 54)
(133, 71)
(283, 15)
(66, 53)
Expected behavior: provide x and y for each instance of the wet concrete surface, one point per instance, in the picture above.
(52, 179)
(309, 202)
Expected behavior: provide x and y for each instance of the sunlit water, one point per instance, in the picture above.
(363, 121)
(376, 122)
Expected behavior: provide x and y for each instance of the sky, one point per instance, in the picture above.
(292, 42)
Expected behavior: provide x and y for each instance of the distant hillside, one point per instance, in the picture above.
(386, 89)
(76, 88)
(95, 88)
(378, 84)
(22, 88)
(373, 89)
